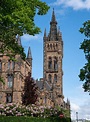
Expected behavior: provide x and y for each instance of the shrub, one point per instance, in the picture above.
(33, 119)
(13, 109)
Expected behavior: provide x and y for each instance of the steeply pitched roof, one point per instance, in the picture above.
(41, 84)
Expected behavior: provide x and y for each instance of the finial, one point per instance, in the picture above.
(45, 33)
(59, 33)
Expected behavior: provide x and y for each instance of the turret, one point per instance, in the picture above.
(19, 40)
(45, 36)
(45, 33)
(68, 102)
(29, 56)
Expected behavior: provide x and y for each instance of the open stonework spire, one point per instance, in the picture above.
(53, 28)
(54, 33)
(53, 17)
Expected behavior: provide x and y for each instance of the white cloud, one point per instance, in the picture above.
(74, 109)
(75, 4)
(61, 11)
(83, 110)
(27, 37)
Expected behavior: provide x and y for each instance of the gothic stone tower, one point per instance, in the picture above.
(53, 54)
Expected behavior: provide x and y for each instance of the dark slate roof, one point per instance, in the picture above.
(41, 84)
(47, 86)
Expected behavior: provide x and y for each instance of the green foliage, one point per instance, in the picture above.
(86, 29)
(85, 46)
(17, 17)
(65, 112)
(33, 119)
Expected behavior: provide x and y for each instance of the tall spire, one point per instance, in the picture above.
(53, 19)
(53, 16)
(29, 56)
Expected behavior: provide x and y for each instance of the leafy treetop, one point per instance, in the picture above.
(17, 17)
(85, 46)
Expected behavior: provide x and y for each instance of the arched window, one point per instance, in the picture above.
(55, 78)
(50, 63)
(55, 64)
(0, 65)
(9, 98)
(50, 46)
(13, 65)
(49, 78)
(56, 46)
(10, 81)
(9, 63)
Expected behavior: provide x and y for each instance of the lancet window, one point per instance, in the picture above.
(55, 78)
(55, 64)
(8, 98)
(10, 80)
(49, 78)
(50, 63)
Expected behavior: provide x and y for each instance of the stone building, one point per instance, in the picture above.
(13, 74)
(50, 87)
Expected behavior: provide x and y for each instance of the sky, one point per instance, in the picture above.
(70, 15)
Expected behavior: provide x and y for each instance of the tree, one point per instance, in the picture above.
(85, 46)
(17, 17)
(30, 89)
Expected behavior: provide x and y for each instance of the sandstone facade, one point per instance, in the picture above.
(50, 87)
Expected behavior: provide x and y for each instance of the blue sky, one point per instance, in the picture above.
(70, 15)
